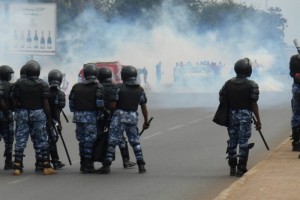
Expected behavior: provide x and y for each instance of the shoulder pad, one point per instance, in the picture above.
(1, 88)
(99, 90)
(253, 83)
(254, 90)
(44, 83)
(60, 92)
(89, 81)
(238, 80)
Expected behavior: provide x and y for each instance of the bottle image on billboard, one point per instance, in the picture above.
(28, 40)
(16, 40)
(42, 42)
(49, 41)
(22, 40)
(35, 40)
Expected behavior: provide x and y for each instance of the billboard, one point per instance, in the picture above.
(32, 28)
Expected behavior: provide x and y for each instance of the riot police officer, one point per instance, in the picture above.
(105, 78)
(295, 102)
(57, 102)
(242, 95)
(32, 115)
(129, 96)
(6, 115)
(85, 101)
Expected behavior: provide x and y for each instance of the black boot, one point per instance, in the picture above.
(141, 165)
(241, 168)
(57, 164)
(47, 169)
(232, 162)
(125, 157)
(105, 169)
(295, 138)
(88, 166)
(128, 164)
(81, 163)
(8, 161)
(39, 166)
(243, 160)
(18, 164)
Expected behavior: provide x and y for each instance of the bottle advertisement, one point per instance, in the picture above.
(33, 28)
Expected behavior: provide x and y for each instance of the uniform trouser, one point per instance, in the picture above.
(53, 137)
(239, 132)
(295, 120)
(115, 136)
(7, 133)
(37, 130)
(86, 134)
(123, 145)
(295, 104)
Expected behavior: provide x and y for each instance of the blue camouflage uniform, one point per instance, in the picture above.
(85, 101)
(57, 102)
(30, 118)
(295, 103)
(110, 96)
(239, 92)
(125, 120)
(294, 66)
(7, 123)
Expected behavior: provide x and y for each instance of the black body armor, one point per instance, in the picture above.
(241, 93)
(30, 93)
(129, 97)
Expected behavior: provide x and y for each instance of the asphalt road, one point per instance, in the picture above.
(183, 149)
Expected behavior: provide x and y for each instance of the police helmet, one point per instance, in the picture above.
(6, 72)
(295, 61)
(90, 71)
(243, 67)
(33, 69)
(55, 78)
(104, 74)
(129, 75)
(23, 71)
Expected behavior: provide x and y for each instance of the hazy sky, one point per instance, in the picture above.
(290, 11)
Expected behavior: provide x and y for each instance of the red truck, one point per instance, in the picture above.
(115, 67)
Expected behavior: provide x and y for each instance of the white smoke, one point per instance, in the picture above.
(89, 38)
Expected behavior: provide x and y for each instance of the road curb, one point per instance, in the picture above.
(225, 194)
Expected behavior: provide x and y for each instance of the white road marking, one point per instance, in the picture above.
(194, 121)
(20, 180)
(158, 133)
(209, 116)
(176, 127)
(179, 126)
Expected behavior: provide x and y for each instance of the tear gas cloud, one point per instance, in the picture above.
(89, 38)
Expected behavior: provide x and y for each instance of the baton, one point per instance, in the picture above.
(261, 135)
(63, 141)
(64, 115)
(144, 128)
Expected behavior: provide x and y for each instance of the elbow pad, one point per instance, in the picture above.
(72, 102)
(61, 99)
(100, 91)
